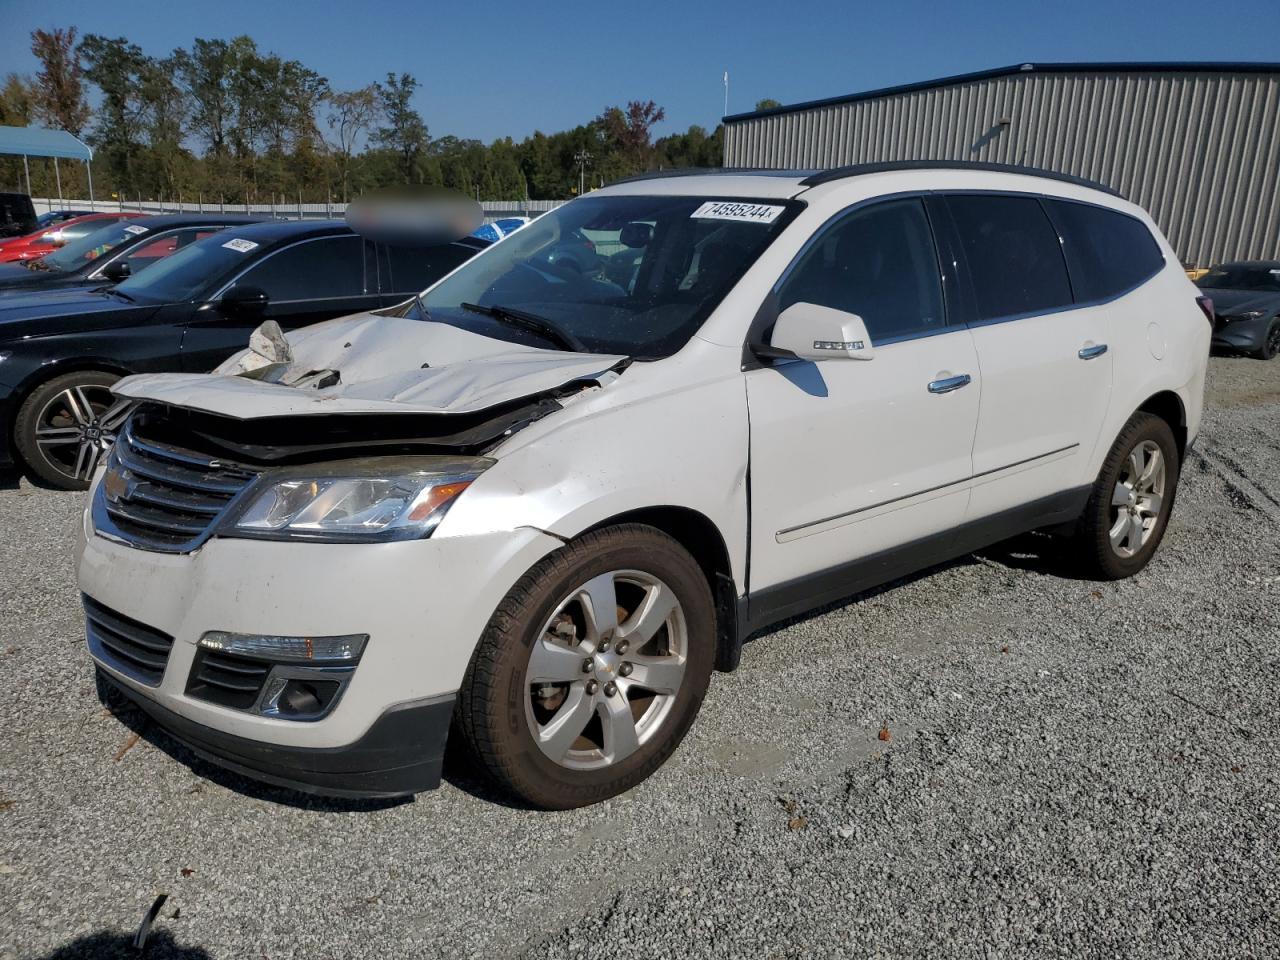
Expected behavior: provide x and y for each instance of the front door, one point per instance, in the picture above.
(850, 459)
(305, 283)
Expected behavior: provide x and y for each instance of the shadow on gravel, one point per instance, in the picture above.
(1036, 553)
(105, 945)
(9, 478)
(141, 724)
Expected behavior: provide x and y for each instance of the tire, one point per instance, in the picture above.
(64, 426)
(545, 626)
(1097, 554)
(1270, 341)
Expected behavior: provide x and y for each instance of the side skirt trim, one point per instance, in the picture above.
(773, 604)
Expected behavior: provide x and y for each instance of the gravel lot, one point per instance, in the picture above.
(1072, 769)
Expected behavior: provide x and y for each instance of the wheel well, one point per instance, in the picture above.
(697, 534)
(1167, 405)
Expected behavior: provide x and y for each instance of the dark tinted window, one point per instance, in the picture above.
(413, 269)
(148, 252)
(1013, 254)
(311, 270)
(1107, 252)
(878, 262)
(1243, 276)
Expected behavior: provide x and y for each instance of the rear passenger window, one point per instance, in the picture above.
(311, 270)
(1108, 253)
(413, 269)
(1013, 255)
(878, 262)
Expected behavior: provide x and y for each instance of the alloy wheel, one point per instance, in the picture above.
(1137, 499)
(77, 426)
(605, 670)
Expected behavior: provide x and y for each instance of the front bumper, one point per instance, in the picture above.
(1240, 334)
(402, 753)
(423, 603)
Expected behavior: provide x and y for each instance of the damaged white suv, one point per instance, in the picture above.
(535, 507)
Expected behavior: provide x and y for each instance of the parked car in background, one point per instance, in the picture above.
(1246, 303)
(61, 350)
(48, 239)
(113, 252)
(497, 229)
(17, 215)
(57, 216)
(531, 509)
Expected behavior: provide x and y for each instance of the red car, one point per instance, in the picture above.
(50, 238)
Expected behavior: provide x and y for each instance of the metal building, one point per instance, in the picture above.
(1196, 144)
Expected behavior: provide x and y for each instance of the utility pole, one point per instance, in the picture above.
(583, 159)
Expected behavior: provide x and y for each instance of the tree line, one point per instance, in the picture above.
(225, 120)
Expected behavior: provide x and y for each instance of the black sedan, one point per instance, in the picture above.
(1246, 302)
(61, 351)
(113, 252)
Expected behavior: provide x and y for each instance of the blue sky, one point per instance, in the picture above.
(497, 68)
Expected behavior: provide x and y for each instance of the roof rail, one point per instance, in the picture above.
(859, 169)
(712, 172)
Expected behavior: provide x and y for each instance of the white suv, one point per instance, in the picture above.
(533, 508)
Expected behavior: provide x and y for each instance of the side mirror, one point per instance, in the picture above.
(245, 300)
(117, 271)
(807, 331)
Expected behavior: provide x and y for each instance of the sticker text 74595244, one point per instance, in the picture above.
(735, 210)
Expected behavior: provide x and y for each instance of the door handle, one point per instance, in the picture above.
(1096, 350)
(947, 384)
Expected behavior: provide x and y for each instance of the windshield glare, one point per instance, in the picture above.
(91, 246)
(629, 275)
(183, 275)
(1236, 276)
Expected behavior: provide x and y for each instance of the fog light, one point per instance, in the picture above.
(305, 697)
(344, 649)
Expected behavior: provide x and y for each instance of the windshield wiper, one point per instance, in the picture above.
(530, 321)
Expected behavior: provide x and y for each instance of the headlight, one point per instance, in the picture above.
(1251, 315)
(356, 501)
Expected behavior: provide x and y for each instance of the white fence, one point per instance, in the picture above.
(493, 209)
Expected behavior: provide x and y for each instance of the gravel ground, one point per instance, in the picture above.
(991, 760)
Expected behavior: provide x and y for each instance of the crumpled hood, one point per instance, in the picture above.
(385, 365)
(1230, 303)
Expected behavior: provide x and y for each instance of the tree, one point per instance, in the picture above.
(17, 102)
(116, 66)
(405, 132)
(630, 131)
(351, 114)
(59, 86)
(768, 104)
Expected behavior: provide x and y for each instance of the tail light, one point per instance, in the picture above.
(1206, 304)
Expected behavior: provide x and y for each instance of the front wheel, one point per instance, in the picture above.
(591, 670)
(1270, 348)
(1129, 506)
(65, 425)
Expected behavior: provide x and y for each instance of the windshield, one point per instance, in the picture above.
(185, 274)
(90, 247)
(1239, 276)
(628, 275)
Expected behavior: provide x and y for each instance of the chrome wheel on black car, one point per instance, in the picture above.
(66, 425)
(1270, 348)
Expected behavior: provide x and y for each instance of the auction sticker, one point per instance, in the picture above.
(134, 229)
(241, 246)
(732, 210)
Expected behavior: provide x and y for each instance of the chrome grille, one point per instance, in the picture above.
(133, 648)
(162, 497)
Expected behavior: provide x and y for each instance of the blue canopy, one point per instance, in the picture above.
(37, 142)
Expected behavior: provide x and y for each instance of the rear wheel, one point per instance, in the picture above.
(65, 425)
(1270, 341)
(1128, 509)
(591, 670)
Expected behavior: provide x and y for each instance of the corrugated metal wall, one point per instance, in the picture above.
(1200, 151)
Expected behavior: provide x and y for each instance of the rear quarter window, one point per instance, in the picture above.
(1108, 253)
(413, 269)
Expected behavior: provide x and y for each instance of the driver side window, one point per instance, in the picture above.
(878, 262)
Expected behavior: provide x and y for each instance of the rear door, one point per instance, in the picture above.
(1046, 366)
(305, 282)
(853, 458)
(410, 270)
